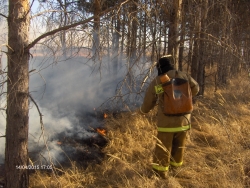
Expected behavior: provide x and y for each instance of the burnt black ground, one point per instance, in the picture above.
(77, 149)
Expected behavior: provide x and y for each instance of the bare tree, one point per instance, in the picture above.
(16, 153)
(96, 29)
(173, 34)
(115, 43)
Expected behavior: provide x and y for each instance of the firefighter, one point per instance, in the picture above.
(172, 130)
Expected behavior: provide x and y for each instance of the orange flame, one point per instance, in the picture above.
(105, 115)
(101, 131)
(59, 143)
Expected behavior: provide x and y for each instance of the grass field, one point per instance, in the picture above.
(217, 149)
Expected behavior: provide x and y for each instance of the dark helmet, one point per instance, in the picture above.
(165, 64)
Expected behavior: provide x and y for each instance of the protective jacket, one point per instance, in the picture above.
(171, 129)
(151, 99)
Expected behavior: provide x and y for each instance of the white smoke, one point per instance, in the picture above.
(65, 93)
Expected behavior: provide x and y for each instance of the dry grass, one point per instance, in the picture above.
(217, 150)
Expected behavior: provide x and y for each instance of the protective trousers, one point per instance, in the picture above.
(169, 151)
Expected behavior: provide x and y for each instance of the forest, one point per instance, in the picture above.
(117, 43)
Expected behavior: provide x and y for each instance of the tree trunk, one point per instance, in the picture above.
(132, 43)
(182, 39)
(222, 71)
(96, 29)
(165, 37)
(115, 45)
(173, 35)
(122, 37)
(199, 51)
(145, 24)
(203, 48)
(63, 34)
(16, 150)
(153, 26)
(132, 33)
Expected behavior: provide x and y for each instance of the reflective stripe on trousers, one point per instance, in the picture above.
(159, 167)
(175, 164)
(175, 129)
(165, 168)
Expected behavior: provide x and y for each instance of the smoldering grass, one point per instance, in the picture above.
(217, 148)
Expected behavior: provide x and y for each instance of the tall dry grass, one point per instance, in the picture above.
(217, 149)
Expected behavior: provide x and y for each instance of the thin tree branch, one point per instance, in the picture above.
(29, 9)
(42, 134)
(3, 15)
(40, 114)
(41, 13)
(72, 25)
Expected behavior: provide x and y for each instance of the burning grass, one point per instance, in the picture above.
(217, 150)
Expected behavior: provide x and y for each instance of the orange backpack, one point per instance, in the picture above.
(177, 96)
